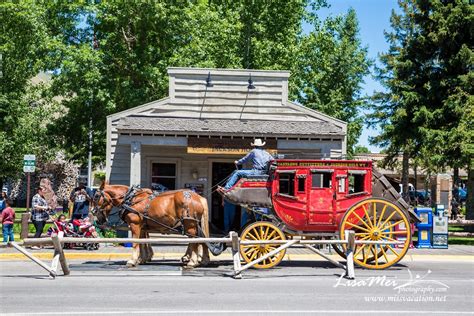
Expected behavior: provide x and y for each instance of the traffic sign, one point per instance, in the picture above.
(29, 163)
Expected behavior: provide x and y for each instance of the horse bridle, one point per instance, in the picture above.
(108, 201)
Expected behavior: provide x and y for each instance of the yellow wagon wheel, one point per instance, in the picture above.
(376, 219)
(262, 231)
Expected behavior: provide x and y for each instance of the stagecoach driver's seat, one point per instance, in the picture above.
(260, 160)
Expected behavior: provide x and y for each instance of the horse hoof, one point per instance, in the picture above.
(131, 264)
(185, 259)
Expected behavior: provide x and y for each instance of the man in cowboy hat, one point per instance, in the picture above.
(259, 159)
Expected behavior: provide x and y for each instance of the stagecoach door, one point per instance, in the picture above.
(321, 199)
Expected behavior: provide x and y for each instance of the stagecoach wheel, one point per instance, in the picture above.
(262, 231)
(339, 250)
(376, 220)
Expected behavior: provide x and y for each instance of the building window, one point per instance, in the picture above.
(287, 184)
(164, 174)
(356, 183)
(321, 180)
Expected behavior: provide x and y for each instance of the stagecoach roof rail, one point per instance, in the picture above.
(357, 171)
(322, 170)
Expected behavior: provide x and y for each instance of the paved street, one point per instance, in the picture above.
(442, 286)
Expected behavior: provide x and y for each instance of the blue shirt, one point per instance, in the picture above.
(259, 158)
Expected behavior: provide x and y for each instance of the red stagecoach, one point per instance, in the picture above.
(323, 198)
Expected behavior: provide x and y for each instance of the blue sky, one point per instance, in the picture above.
(374, 18)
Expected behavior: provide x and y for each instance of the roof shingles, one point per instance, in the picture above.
(222, 127)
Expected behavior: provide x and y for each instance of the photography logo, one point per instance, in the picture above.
(418, 288)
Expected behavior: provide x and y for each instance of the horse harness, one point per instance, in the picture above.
(128, 203)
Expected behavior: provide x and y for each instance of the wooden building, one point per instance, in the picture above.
(192, 137)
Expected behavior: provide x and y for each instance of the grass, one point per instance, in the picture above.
(468, 241)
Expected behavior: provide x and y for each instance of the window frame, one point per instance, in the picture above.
(323, 173)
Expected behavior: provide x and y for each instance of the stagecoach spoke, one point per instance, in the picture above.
(389, 238)
(252, 236)
(363, 222)
(393, 250)
(272, 234)
(375, 213)
(252, 248)
(256, 233)
(381, 216)
(386, 221)
(367, 214)
(394, 224)
(358, 227)
(384, 254)
(374, 252)
(359, 250)
(254, 254)
(363, 234)
(267, 229)
(363, 253)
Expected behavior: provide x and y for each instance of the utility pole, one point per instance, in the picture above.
(89, 165)
(95, 46)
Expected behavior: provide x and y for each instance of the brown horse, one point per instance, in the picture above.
(146, 212)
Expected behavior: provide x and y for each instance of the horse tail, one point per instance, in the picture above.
(205, 217)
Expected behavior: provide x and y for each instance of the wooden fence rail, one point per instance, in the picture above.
(233, 240)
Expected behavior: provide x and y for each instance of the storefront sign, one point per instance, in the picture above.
(225, 146)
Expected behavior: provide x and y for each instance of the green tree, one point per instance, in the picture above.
(427, 108)
(361, 150)
(24, 45)
(330, 69)
(138, 41)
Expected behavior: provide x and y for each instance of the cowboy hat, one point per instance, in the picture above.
(258, 143)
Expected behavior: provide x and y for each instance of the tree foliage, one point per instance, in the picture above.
(330, 70)
(427, 109)
(107, 57)
(24, 45)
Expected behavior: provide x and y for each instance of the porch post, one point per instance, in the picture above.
(135, 163)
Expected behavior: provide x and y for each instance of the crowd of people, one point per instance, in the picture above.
(42, 211)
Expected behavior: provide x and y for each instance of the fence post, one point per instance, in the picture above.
(350, 238)
(236, 254)
(25, 229)
(59, 256)
(52, 273)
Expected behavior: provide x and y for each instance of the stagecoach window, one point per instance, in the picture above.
(342, 185)
(356, 183)
(164, 174)
(321, 180)
(301, 184)
(287, 184)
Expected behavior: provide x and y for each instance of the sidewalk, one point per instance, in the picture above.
(297, 253)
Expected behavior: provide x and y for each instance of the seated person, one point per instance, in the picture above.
(259, 159)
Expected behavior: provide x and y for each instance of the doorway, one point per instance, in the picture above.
(220, 171)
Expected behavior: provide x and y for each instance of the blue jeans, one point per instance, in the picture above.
(237, 174)
(7, 231)
(229, 214)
